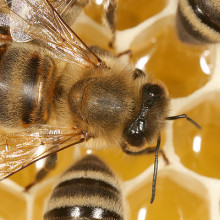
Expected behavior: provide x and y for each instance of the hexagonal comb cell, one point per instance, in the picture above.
(134, 12)
(40, 201)
(128, 15)
(178, 197)
(183, 68)
(95, 34)
(12, 204)
(197, 149)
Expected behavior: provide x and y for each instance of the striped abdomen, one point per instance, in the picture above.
(88, 190)
(26, 86)
(198, 21)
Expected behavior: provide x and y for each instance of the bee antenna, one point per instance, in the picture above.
(155, 170)
(187, 118)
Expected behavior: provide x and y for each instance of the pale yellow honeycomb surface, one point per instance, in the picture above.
(189, 187)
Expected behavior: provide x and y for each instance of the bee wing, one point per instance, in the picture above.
(38, 20)
(63, 6)
(19, 150)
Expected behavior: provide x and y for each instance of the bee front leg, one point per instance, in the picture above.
(148, 150)
(50, 164)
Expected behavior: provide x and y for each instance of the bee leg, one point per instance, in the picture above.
(103, 52)
(110, 18)
(126, 52)
(138, 74)
(70, 10)
(149, 150)
(100, 51)
(50, 164)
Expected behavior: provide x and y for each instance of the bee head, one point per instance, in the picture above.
(151, 117)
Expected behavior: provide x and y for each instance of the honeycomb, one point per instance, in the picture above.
(187, 188)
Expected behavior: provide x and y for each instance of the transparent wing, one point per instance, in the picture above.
(18, 150)
(63, 6)
(38, 20)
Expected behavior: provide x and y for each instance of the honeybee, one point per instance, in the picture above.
(198, 21)
(56, 92)
(87, 190)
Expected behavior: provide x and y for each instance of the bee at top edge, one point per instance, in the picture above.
(198, 22)
(57, 92)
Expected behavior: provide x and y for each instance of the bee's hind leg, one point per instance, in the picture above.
(50, 164)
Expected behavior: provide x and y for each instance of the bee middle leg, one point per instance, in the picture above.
(50, 164)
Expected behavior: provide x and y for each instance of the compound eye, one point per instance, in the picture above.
(150, 93)
(152, 90)
(139, 130)
(135, 133)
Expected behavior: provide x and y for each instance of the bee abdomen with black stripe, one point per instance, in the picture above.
(198, 21)
(26, 90)
(88, 190)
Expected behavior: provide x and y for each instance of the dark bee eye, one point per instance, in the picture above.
(140, 129)
(135, 132)
(150, 93)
